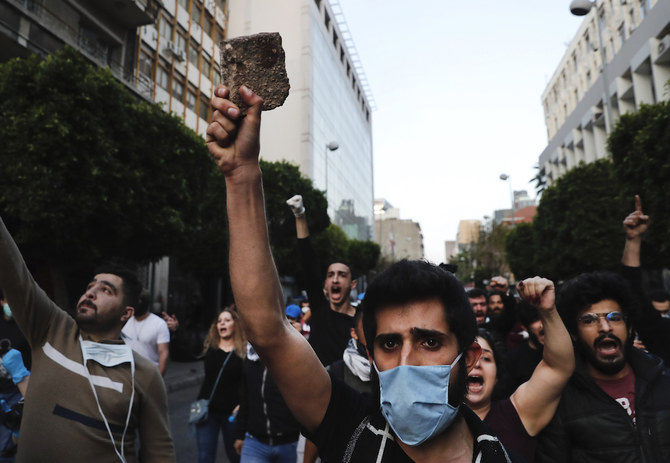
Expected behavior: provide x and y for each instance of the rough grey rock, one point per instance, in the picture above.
(257, 61)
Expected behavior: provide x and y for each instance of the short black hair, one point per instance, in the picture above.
(495, 292)
(476, 292)
(590, 288)
(131, 283)
(656, 295)
(343, 262)
(526, 313)
(418, 280)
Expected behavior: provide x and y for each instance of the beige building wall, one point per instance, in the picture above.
(636, 43)
(468, 232)
(399, 239)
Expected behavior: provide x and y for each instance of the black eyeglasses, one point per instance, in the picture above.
(593, 319)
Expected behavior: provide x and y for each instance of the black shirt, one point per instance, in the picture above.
(354, 430)
(330, 330)
(226, 396)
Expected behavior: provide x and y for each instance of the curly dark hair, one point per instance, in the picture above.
(590, 288)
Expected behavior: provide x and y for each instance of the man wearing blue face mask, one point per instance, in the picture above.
(419, 328)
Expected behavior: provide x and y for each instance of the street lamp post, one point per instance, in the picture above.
(582, 8)
(332, 146)
(505, 177)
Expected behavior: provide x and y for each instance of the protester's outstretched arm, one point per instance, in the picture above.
(652, 329)
(298, 209)
(635, 225)
(536, 400)
(233, 141)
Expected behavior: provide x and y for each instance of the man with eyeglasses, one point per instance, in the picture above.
(616, 406)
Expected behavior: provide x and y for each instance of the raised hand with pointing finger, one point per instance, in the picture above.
(636, 223)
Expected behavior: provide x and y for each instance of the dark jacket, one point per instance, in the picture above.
(590, 426)
(263, 412)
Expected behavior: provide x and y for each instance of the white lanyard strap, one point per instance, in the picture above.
(86, 345)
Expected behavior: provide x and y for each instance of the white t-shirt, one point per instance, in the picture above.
(144, 336)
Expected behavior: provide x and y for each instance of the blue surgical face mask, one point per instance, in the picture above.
(7, 310)
(415, 400)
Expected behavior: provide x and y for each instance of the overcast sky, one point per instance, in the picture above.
(458, 88)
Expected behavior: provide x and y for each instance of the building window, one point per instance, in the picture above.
(621, 34)
(204, 108)
(208, 24)
(206, 66)
(191, 99)
(216, 78)
(219, 35)
(163, 78)
(177, 88)
(193, 53)
(588, 78)
(180, 41)
(146, 63)
(184, 4)
(318, 3)
(196, 12)
(165, 28)
(326, 20)
(336, 39)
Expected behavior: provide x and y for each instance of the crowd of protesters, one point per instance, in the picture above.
(420, 370)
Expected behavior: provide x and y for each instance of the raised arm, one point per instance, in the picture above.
(536, 400)
(650, 326)
(298, 209)
(635, 225)
(233, 141)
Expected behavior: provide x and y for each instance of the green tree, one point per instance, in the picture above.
(486, 258)
(640, 150)
(520, 250)
(578, 224)
(88, 170)
(363, 255)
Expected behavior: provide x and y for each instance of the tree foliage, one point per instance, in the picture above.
(578, 225)
(520, 251)
(640, 147)
(484, 259)
(89, 170)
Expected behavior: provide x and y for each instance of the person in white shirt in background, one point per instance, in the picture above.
(148, 334)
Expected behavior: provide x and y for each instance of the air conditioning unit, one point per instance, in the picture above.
(178, 53)
(663, 49)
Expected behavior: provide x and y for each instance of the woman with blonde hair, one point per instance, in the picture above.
(223, 351)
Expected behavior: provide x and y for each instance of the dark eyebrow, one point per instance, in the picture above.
(383, 337)
(425, 333)
(107, 283)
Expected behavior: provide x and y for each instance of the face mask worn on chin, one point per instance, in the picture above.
(415, 400)
(110, 356)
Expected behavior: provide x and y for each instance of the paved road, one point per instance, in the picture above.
(184, 442)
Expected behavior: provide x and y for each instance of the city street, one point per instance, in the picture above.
(178, 405)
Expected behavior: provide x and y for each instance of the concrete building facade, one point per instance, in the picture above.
(634, 36)
(398, 238)
(325, 125)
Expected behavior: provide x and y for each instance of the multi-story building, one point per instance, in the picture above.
(398, 238)
(105, 32)
(325, 124)
(468, 233)
(178, 56)
(162, 50)
(584, 99)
